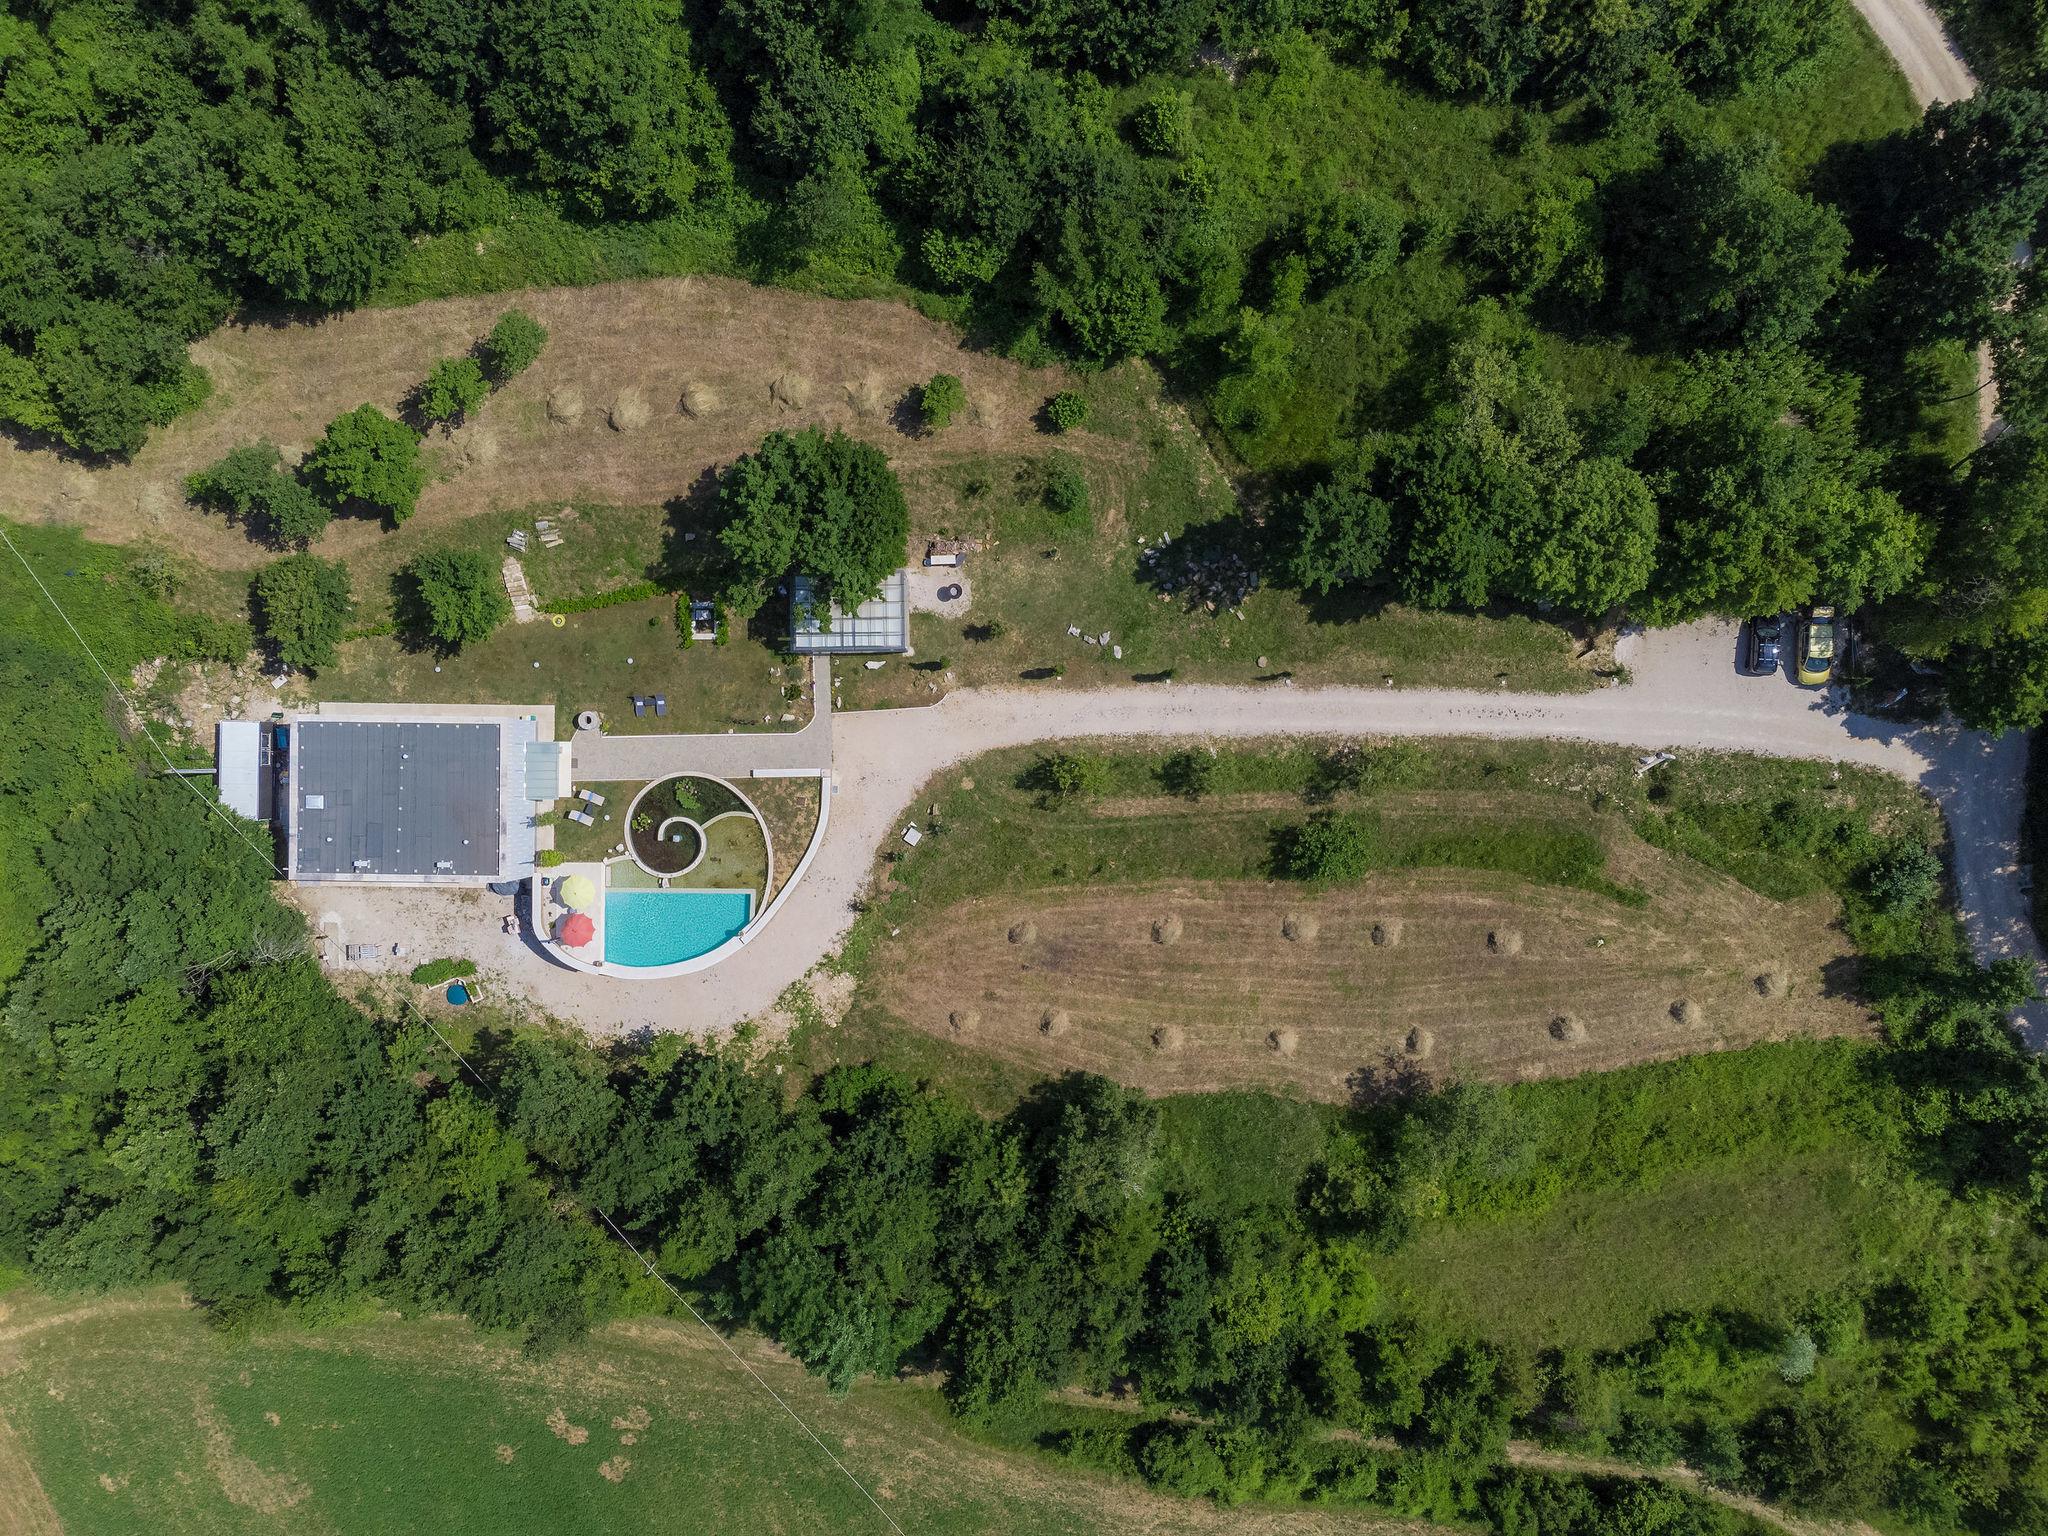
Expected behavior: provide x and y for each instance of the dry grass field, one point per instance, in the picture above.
(600, 418)
(1189, 986)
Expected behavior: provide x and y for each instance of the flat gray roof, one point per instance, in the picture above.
(397, 799)
(880, 624)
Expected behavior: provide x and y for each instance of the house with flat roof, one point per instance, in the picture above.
(397, 796)
(879, 626)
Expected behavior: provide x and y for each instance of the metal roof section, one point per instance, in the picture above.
(882, 624)
(238, 758)
(408, 802)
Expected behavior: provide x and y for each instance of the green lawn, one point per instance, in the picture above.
(148, 1420)
(595, 660)
(578, 844)
(1598, 1268)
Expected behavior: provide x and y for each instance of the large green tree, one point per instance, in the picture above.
(1713, 248)
(252, 483)
(368, 459)
(458, 596)
(305, 606)
(812, 502)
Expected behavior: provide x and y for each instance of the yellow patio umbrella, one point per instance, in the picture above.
(577, 892)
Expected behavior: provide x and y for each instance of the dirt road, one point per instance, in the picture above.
(1912, 34)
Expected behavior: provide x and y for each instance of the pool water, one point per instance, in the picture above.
(664, 927)
(458, 994)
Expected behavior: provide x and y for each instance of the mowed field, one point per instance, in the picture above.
(1182, 987)
(130, 1414)
(753, 358)
(1524, 911)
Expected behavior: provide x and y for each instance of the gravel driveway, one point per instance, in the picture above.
(1686, 693)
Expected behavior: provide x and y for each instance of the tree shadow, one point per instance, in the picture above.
(1396, 1078)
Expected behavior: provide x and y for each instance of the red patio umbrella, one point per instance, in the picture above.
(577, 930)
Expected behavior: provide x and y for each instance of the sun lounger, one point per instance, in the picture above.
(583, 818)
(590, 797)
(661, 705)
(639, 705)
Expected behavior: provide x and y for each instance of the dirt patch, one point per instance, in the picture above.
(241, 1479)
(560, 1427)
(711, 345)
(1205, 1013)
(505, 1455)
(635, 1418)
(614, 1470)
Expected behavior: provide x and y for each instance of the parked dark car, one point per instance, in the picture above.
(1763, 650)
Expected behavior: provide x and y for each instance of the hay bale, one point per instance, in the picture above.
(964, 1021)
(1168, 1038)
(1566, 1027)
(1285, 1041)
(791, 389)
(565, 406)
(1504, 941)
(1386, 933)
(865, 395)
(1024, 933)
(1300, 928)
(1420, 1043)
(1774, 983)
(698, 401)
(629, 412)
(1056, 1022)
(1687, 1012)
(1167, 929)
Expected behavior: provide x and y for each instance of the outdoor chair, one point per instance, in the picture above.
(639, 705)
(661, 705)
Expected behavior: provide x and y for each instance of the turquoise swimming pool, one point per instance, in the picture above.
(665, 927)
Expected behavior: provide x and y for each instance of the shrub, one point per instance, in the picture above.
(304, 605)
(434, 972)
(940, 401)
(548, 858)
(1190, 774)
(252, 484)
(1061, 776)
(1066, 489)
(454, 387)
(514, 343)
(632, 592)
(369, 458)
(1165, 124)
(1066, 411)
(1799, 1357)
(683, 625)
(461, 597)
(1349, 237)
(1907, 876)
(1330, 846)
